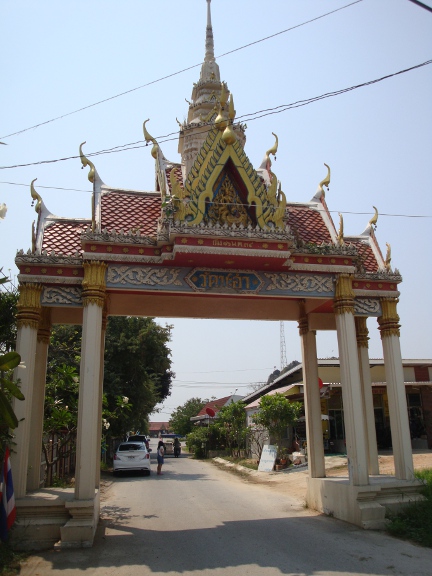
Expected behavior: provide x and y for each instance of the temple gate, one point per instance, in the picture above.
(216, 239)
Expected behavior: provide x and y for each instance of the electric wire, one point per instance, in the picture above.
(180, 71)
(250, 117)
(246, 206)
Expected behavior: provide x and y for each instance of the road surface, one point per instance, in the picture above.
(198, 520)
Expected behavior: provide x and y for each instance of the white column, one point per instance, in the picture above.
(368, 407)
(37, 415)
(101, 378)
(88, 403)
(400, 432)
(315, 443)
(29, 310)
(350, 381)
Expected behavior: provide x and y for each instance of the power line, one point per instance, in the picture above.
(249, 117)
(179, 71)
(245, 205)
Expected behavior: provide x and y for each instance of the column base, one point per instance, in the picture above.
(365, 506)
(52, 517)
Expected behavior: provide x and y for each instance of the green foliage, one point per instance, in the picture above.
(64, 348)
(232, 428)
(180, 421)
(138, 366)
(201, 440)
(276, 413)
(10, 561)
(414, 522)
(8, 389)
(8, 310)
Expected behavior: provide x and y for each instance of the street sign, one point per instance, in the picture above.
(268, 458)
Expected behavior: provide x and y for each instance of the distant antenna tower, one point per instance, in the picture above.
(283, 359)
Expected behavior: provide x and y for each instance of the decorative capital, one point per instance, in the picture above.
(29, 305)
(389, 320)
(362, 332)
(93, 283)
(344, 297)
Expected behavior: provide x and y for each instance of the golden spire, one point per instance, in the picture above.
(373, 221)
(326, 181)
(221, 122)
(149, 138)
(86, 162)
(35, 197)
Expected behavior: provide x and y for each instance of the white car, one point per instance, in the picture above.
(131, 456)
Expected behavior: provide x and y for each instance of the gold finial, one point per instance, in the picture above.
(221, 122)
(326, 181)
(229, 136)
(373, 221)
(340, 239)
(35, 197)
(274, 148)
(149, 138)
(86, 162)
(231, 109)
(388, 258)
(179, 123)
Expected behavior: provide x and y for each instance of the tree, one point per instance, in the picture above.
(137, 366)
(180, 419)
(8, 310)
(276, 413)
(232, 428)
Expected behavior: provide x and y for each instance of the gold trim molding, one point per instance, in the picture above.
(94, 284)
(29, 305)
(389, 320)
(362, 332)
(344, 295)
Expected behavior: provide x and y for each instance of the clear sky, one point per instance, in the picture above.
(59, 57)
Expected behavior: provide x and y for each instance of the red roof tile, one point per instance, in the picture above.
(64, 237)
(366, 254)
(308, 225)
(130, 210)
(216, 405)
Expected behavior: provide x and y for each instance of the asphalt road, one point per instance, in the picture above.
(199, 520)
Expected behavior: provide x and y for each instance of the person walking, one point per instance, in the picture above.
(160, 457)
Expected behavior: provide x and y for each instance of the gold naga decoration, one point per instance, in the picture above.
(373, 221)
(33, 238)
(36, 197)
(86, 162)
(340, 239)
(388, 258)
(325, 182)
(180, 198)
(148, 138)
(275, 212)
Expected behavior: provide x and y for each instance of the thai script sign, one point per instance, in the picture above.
(225, 281)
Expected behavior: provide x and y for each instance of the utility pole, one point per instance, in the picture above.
(283, 359)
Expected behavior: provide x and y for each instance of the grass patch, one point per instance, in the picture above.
(415, 521)
(246, 462)
(10, 561)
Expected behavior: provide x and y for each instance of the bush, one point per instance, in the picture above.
(203, 439)
(414, 522)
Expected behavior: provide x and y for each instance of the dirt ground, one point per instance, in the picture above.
(295, 482)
